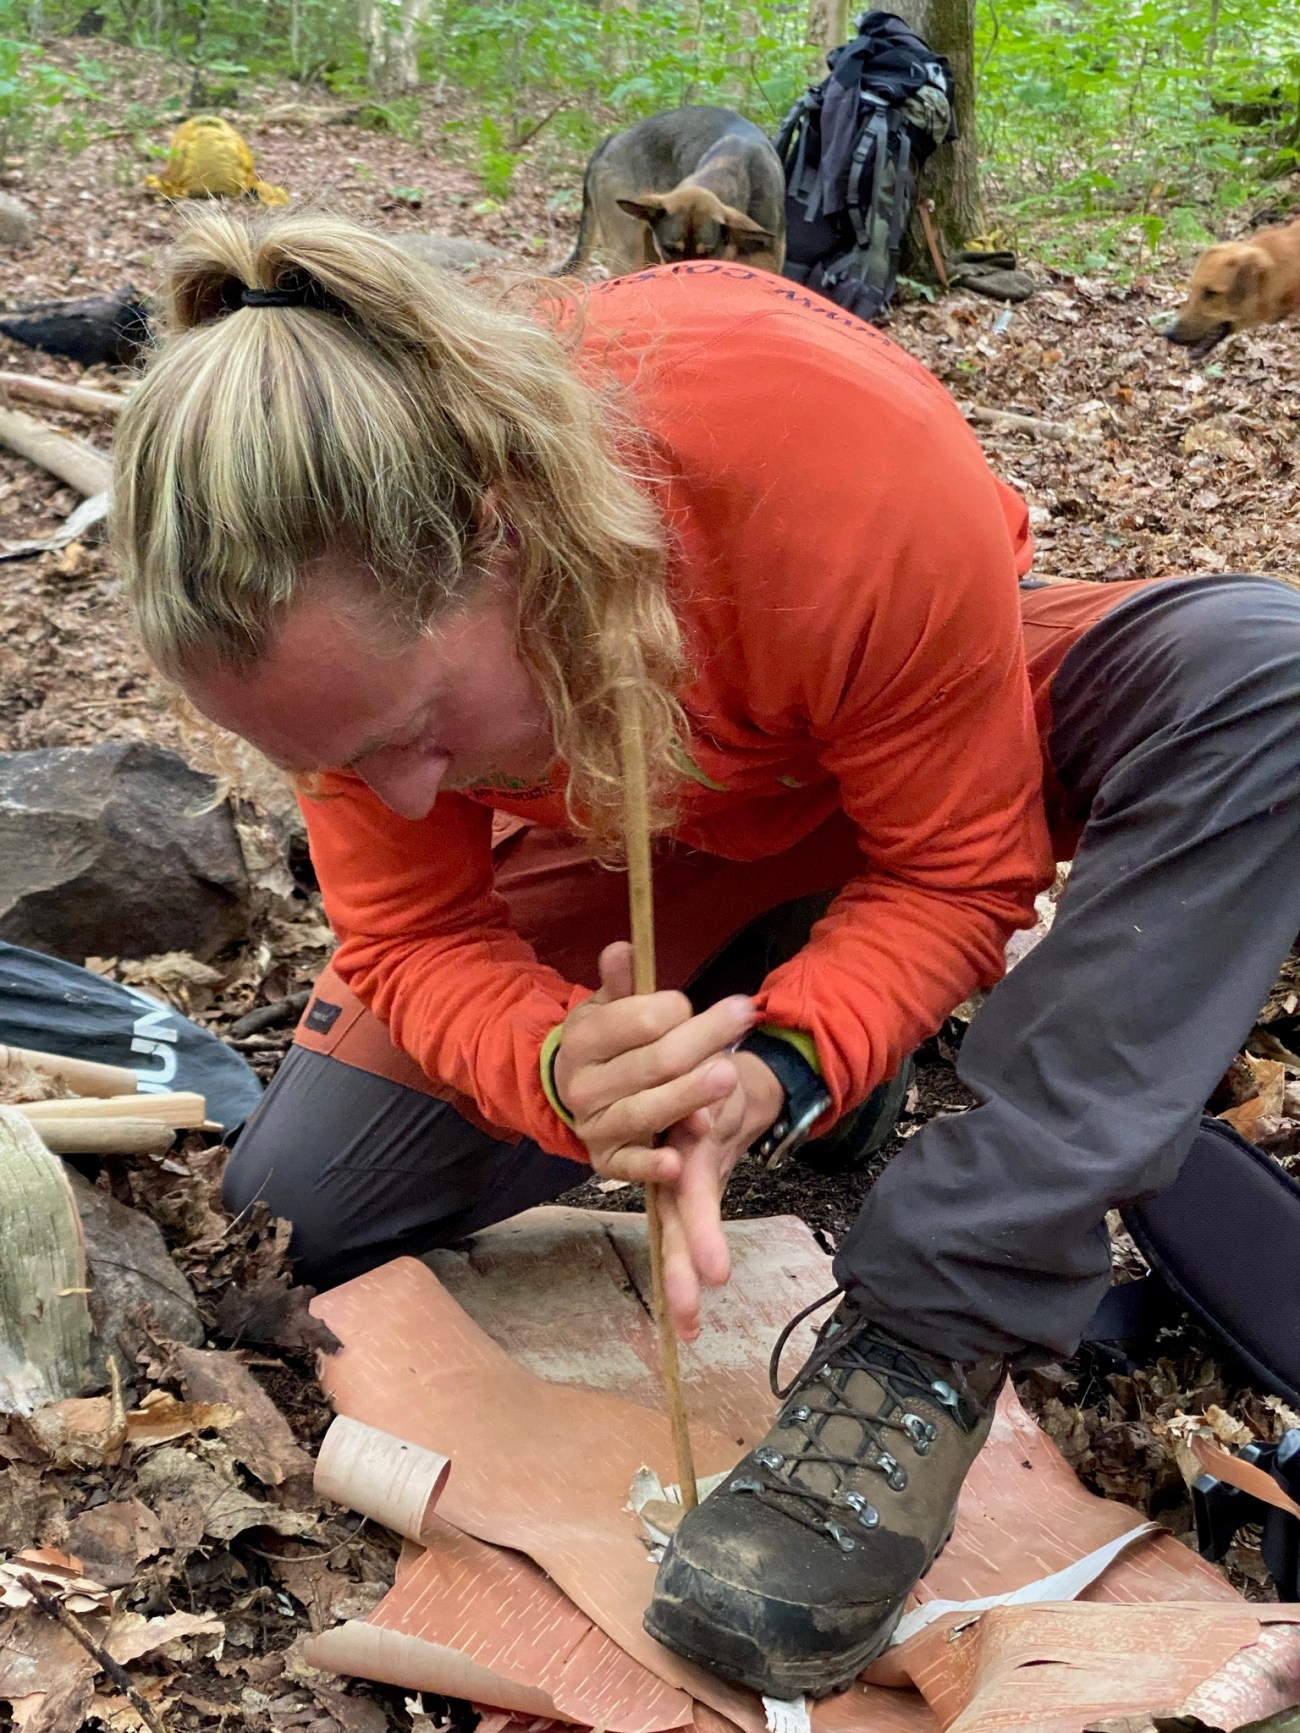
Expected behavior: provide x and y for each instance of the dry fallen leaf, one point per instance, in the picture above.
(192, 1500)
(131, 1635)
(1265, 1104)
(160, 1419)
(258, 1434)
(85, 1432)
(46, 1676)
(59, 1574)
(112, 1539)
(174, 977)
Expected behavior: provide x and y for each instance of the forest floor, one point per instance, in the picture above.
(1135, 462)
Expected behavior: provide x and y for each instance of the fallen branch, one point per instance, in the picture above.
(70, 1134)
(271, 1016)
(54, 1609)
(73, 461)
(1013, 422)
(56, 395)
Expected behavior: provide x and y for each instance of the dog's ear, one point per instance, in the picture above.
(745, 234)
(1248, 276)
(648, 208)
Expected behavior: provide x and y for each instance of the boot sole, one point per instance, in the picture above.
(806, 1679)
(696, 1639)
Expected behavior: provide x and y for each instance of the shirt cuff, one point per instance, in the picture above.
(799, 1039)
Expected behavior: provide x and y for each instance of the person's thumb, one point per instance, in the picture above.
(615, 972)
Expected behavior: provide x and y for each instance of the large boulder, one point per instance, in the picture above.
(116, 851)
(448, 252)
(17, 223)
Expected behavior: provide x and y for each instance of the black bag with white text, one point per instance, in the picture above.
(57, 1007)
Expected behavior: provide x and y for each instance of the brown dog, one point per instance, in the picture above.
(693, 183)
(1239, 284)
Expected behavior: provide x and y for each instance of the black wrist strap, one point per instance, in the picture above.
(806, 1095)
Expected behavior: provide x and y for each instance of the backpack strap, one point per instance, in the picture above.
(873, 137)
(902, 195)
(1225, 1236)
(781, 143)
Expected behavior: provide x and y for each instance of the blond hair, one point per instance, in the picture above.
(416, 425)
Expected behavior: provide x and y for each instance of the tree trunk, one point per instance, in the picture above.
(388, 29)
(951, 177)
(828, 23)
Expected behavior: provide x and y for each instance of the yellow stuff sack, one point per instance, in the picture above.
(209, 160)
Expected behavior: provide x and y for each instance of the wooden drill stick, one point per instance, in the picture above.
(640, 889)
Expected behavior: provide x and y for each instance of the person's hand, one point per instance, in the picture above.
(710, 1142)
(632, 1066)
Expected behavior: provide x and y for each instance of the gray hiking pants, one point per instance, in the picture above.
(1177, 731)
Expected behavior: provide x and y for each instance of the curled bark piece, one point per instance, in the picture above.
(85, 1076)
(378, 1475)
(179, 1108)
(44, 1314)
(88, 515)
(53, 392)
(74, 462)
(69, 1135)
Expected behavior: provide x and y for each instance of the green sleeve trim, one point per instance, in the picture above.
(550, 1047)
(799, 1039)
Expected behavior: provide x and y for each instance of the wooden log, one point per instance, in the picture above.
(55, 394)
(84, 1076)
(73, 1136)
(44, 1314)
(74, 462)
(90, 331)
(179, 1108)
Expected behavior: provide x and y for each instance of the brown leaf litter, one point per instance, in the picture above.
(1157, 466)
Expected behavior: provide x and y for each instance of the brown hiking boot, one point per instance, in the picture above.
(791, 1576)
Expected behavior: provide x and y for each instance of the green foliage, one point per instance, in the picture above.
(400, 115)
(32, 89)
(1113, 128)
(579, 69)
(1115, 134)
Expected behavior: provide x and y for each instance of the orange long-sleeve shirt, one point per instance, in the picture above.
(844, 566)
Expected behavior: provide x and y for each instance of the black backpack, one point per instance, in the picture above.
(853, 147)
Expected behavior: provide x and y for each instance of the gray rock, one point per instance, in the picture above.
(133, 1283)
(17, 223)
(449, 252)
(108, 851)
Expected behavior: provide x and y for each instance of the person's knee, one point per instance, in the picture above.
(1241, 628)
(271, 1164)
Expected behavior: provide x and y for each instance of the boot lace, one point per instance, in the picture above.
(820, 1386)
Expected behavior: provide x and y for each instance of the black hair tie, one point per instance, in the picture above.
(294, 290)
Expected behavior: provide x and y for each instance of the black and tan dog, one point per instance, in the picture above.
(692, 183)
(1238, 284)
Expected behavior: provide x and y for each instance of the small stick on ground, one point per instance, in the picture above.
(641, 902)
(1015, 422)
(54, 1609)
(270, 1016)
